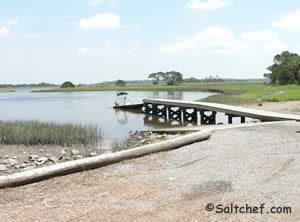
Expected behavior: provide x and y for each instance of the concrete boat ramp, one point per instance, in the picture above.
(249, 165)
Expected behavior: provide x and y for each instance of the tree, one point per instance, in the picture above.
(285, 70)
(120, 82)
(172, 77)
(155, 77)
(67, 84)
(283, 57)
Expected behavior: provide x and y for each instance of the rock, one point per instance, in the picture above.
(17, 167)
(67, 158)
(3, 168)
(159, 136)
(12, 162)
(260, 104)
(33, 157)
(75, 152)
(24, 152)
(41, 150)
(6, 157)
(14, 157)
(41, 161)
(53, 159)
(63, 152)
(139, 137)
(48, 155)
(93, 154)
(23, 165)
(78, 157)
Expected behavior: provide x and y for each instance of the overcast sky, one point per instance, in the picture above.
(88, 41)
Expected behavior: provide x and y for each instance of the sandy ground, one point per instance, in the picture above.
(284, 107)
(252, 166)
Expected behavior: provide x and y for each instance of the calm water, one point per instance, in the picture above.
(85, 108)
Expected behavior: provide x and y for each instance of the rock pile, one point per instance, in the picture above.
(142, 138)
(10, 164)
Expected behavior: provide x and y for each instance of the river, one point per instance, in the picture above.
(86, 108)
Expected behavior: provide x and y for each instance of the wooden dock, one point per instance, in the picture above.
(191, 111)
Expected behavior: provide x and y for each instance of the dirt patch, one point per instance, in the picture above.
(284, 107)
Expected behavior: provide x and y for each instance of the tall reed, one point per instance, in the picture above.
(43, 133)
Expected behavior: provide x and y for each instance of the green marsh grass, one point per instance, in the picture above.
(40, 133)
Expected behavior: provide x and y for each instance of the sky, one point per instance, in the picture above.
(90, 41)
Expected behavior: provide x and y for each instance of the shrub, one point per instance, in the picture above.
(67, 84)
(121, 83)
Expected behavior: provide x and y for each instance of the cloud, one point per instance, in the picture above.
(265, 35)
(5, 28)
(208, 5)
(108, 47)
(100, 21)
(12, 21)
(220, 40)
(94, 3)
(267, 39)
(290, 22)
(5, 32)
(212, 38)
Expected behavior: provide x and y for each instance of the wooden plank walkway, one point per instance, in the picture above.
(227, 109)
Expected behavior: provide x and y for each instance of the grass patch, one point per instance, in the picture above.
(39, 133)
(7, 90)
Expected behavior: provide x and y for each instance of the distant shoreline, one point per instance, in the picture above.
(228, 93)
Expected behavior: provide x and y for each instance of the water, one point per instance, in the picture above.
(85, 108)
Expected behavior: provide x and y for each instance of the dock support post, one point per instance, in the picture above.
(154, 107)
(243, 119)
(230, 117)
(147, 111)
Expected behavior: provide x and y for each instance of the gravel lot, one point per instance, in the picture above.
(252, 165)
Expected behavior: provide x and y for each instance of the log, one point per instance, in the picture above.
(60, 169)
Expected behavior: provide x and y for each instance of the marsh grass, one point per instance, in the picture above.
(41, 133)
(121, 144)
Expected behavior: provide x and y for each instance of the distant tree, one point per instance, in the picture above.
(156, 77)
(67, 84)
(172, 77)
(285, 70)
(120, 82)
